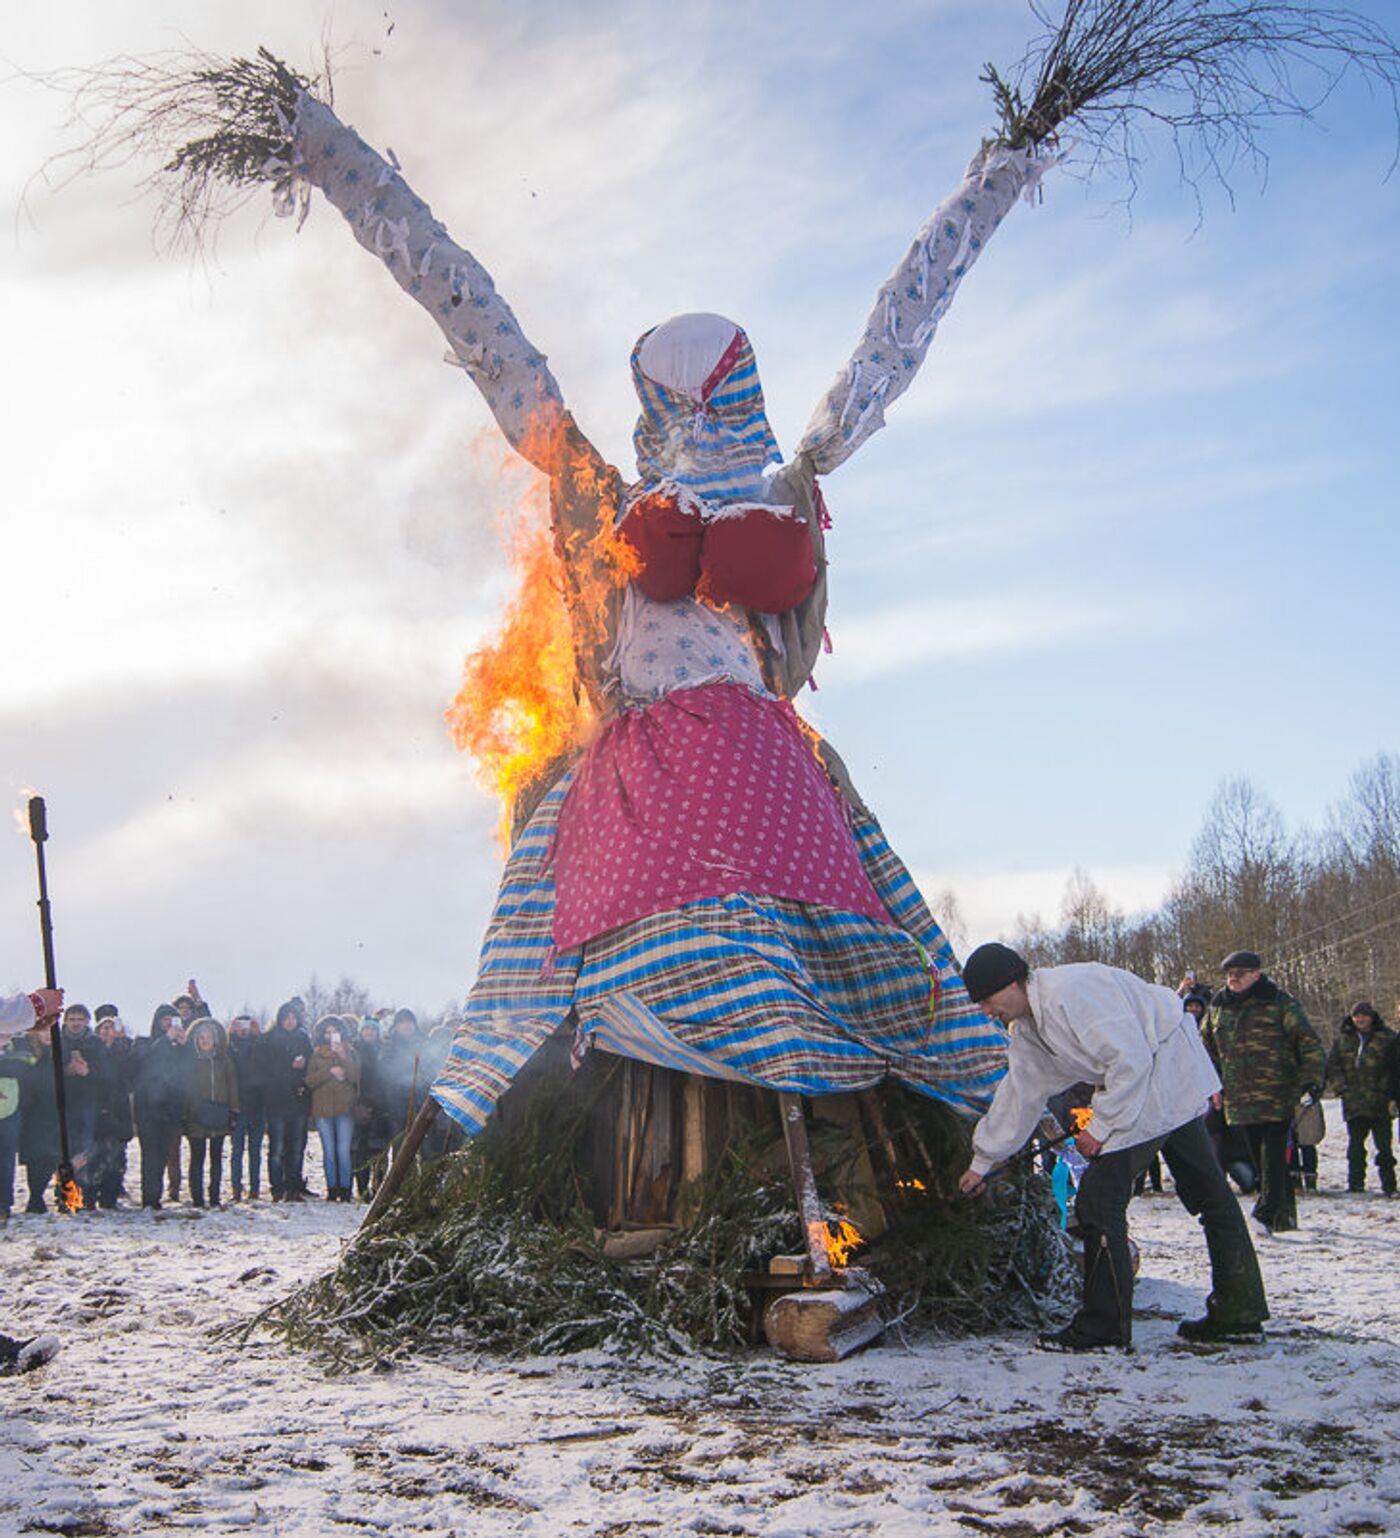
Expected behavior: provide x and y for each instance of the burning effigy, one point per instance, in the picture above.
(717, 1047)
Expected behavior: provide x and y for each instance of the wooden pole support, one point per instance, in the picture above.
(403, 1162)
(804, 1183)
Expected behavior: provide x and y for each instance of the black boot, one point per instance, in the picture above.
(1105, 1317)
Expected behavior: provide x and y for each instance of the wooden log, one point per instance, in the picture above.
(852, 1167)
(824, 1325)
(874, 1115)
(633, 1244)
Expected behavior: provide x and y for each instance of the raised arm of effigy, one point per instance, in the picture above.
(390, 220)
(914, 299)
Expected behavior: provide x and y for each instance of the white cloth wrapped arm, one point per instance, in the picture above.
(16, 1015)
(913, 300)
(390, 220)
(1032, 1076)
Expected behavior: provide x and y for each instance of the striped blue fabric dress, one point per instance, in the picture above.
(758, 989)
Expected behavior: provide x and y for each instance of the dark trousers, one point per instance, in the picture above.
(107, 1172)
(286, 1140)
(155, 1139)
(1359, 1128)
(247, 1133)
(1276, 1208)
(172, 1159)
(82, 1134)
(9, 1148)
(39, 1173)
(365, 1147)
(1101, 1211)
(216, 1169)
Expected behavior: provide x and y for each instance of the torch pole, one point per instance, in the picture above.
(39, 832)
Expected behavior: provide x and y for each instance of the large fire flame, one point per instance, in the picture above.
(521, 704)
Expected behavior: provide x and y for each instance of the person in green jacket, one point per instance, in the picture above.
(1269, 1059)
(1361, 1071)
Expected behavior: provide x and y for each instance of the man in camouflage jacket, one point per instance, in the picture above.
(1269, 1058)
(1361, 1069)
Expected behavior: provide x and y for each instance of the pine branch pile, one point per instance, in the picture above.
(1213, 73)
(492, 1249)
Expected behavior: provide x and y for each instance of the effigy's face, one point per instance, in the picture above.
(703, 421)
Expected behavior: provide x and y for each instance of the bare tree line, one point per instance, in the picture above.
(1322, 908)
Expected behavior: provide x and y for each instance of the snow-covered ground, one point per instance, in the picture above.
(144, 1423)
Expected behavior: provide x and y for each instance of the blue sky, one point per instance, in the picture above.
(1131, 531)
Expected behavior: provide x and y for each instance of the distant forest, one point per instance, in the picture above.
(1322, 908)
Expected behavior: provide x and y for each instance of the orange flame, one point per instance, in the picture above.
(1079, 1117)
(910, 1185)
(843, 1239)
(522, 704)
(69, 1196)
(21, 811)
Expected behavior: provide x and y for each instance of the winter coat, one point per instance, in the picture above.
(371, 1119)
(251, 1066)
(83, 1091)
(211, 1081)
(15, 1058)
(332, 1096)
(1266, 1051)
(283, 1085)
(159, 1081)
(117, 1077)
(38, 1111)
(1102, 1026)
(1361, 1069)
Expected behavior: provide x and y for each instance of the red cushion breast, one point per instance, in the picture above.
(666, 535)
(759, 558)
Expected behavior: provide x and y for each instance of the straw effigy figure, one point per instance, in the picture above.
(694, 884)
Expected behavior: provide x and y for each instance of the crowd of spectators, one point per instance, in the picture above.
(217, 1110)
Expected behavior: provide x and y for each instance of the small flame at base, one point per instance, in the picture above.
(843, 1239)
(70, 1196)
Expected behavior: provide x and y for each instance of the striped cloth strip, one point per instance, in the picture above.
(766, 990)
(718, 447)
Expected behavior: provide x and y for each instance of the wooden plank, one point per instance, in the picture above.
(804, 1184)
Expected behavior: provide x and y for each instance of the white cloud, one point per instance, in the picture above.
(909, 635)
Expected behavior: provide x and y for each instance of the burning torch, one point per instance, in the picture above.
(66, 1183)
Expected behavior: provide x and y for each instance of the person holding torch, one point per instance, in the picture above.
(19, 1013)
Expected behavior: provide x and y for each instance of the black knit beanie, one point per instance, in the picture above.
(990, 968)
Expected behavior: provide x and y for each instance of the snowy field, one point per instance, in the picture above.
(143, 1424)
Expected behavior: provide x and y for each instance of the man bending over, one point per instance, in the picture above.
(1153, 1078)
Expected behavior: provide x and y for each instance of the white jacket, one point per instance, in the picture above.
(16, 1015)
(1103, 1026)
